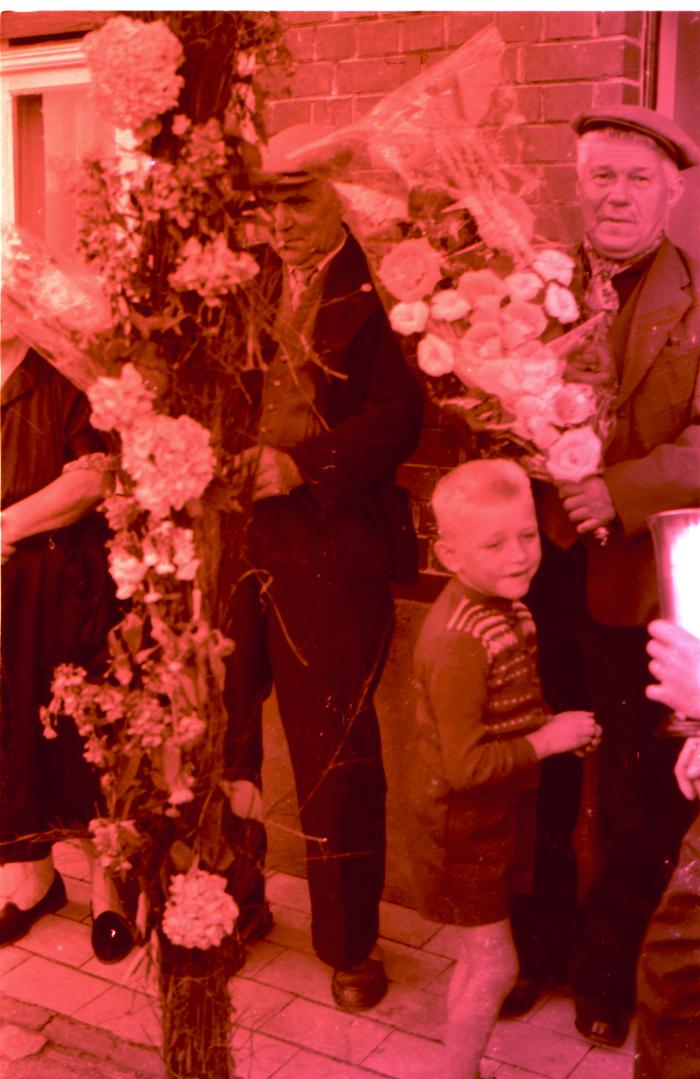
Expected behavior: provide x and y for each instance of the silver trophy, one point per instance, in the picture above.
(676, 535)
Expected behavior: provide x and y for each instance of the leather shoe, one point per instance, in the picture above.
(522, 998)
(111, 936)
(360, 987)
(14, 922)
(602, 1022)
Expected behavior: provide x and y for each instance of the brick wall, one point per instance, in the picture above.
(560, 62)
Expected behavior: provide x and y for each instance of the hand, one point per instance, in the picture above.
(676, 665)
(275, 471)
(565, 732)
(588, 503)
(687, 769)
(8, 537)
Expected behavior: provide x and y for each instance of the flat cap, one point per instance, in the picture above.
(298, 154)
(672, 139)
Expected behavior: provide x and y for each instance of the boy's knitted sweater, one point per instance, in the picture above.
(476, 662)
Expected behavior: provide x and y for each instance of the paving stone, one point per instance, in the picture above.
(136, 1061)
(257, 1056)
(134, 1017)
(53, 985)
(288, 891)
(71, 1034)
(604, 1062)
(445, 942)
(26, 1015)
(405, 925)
(61, 939)
(338, 1034)
(315, 1066)
(17, 1042)
(303, 975)
(550, 1054)
(11, 956)
(54, 1064)
(406, 1057)
(414, 1011)
(259, 955)
(292, 929)
(409, 966)
(254, 1004)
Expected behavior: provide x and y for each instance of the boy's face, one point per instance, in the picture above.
(494, 547)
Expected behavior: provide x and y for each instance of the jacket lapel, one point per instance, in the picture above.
(663, 300)
(348, 299)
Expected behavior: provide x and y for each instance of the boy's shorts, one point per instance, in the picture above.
(484, 854)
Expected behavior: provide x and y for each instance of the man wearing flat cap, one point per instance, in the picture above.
(339, 410)
(593, 599)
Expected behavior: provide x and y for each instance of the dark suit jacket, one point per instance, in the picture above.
(652, 460)
(349, 517)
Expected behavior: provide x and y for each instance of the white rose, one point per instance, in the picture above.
(560, 303)
(575, 456)
(435, 356)
(554, 265)
(408, 318)
(523, 286)
(449, 305)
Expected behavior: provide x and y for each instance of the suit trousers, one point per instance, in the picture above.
(322, 642)
(668, 984)
(641, 814)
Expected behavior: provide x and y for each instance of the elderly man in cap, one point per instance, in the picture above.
(591, 599)
(339, 410)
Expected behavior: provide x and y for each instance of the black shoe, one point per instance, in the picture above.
(522, 998)
(254, 923)
(360, 987)
(14, 922)
(111, 936)
(602, 1022)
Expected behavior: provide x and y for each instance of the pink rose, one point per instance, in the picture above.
(522, 286)
(411, 270)
(521, 322)
(572, 403)
(575, 456)
(408, 318)
(479, 286)
(435, 356)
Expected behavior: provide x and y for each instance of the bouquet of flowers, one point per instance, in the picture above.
(452, 239)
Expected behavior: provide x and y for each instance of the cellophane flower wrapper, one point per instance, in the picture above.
(55, 303)
(431, 187)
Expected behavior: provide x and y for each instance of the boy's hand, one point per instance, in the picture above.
(565, 732)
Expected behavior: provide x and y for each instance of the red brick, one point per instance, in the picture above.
(564, 101)
(620, 22)
(520, 25)
(419, 480)
(529, 103)
(558, 184)
(548, 142)
(281, 114)
(362, 103)
(512, 63)
(581, 60)
(378, 38)
(559, 223)
(336, 111)
(558, 24)
(375, 76)
(334, 42)
(438, 446)
(300, 42)
(461, 25)
(423, 32)
(615, 93)
(293, 17)
(312, 80)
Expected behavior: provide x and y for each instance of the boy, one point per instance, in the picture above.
(481, 728)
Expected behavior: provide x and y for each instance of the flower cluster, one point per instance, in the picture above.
(118, 402)
(115, 842)
(170, 460)
(134, 65)
(212, 269)
(199, 913)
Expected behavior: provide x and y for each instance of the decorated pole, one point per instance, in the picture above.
(166, 359)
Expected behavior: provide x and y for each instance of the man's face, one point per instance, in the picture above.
(305, 221)
(625, 195)
(495, 548)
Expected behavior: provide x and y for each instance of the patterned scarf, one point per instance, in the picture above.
(600, 294)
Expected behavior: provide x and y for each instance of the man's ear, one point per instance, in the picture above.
(445, 553)
(675, 191)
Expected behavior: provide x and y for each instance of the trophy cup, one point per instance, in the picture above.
(676, 535)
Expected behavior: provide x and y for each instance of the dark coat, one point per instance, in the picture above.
(652, 461)
(349, 518)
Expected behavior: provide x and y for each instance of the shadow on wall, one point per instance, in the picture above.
(395, 701)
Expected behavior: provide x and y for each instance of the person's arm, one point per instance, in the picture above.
(368, 446)
(456, 689)
(62, 502)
